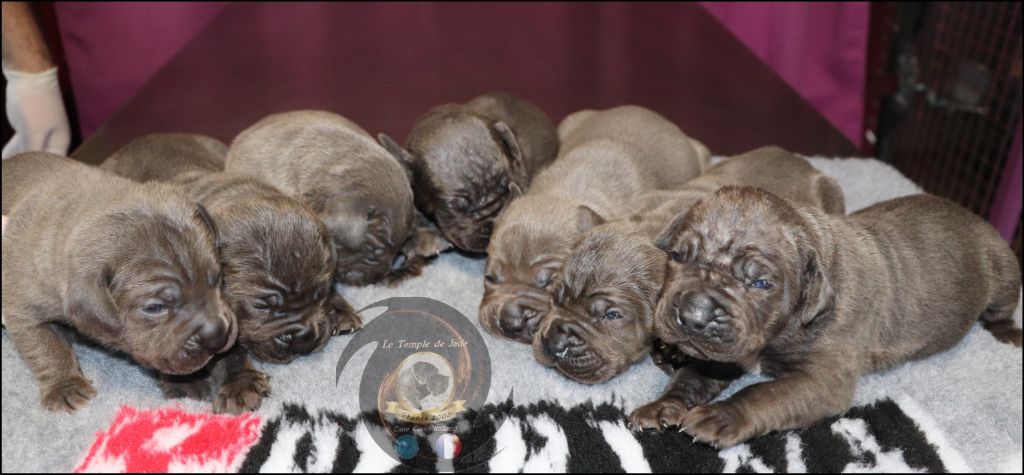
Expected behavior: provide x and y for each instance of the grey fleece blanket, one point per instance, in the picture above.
(958, 411)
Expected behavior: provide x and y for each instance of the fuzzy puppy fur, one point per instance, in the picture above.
(468, 161)
(602, 319)
(132, 267)
(816, 301)
(277, 258)
(359, 191)
(608, 161)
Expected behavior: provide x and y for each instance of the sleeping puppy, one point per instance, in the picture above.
(616, 155)
(467, 161)
(146, 158)
(277, 260)
(602, 318)
(359, 191)
(816, 301)
(131, 267)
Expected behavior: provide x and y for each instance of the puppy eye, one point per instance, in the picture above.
(613, 315)
(491, 279)
(676, 256)
(260, 305)
(154, 309)
(761, 284)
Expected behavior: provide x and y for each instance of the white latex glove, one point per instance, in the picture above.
(35, 109)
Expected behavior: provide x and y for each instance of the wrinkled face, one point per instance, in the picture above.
(367, 237)
(517, 278)
(601, 321)
(733, 278)
(155, 295)
(464, 181)
(278, 283)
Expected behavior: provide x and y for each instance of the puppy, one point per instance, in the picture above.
(277, 259)
(359, 191)
(162, 157)
(467, 161)
(816, 301)
(602, 320)
(610, 159)
(132, 267)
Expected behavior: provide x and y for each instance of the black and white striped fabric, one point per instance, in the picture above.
(547, 437)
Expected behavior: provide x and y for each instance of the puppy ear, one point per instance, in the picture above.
(587, 218)
(668, 235)
(88, 298)
(817, 297)
(315, 199)
(508, 137)
(211, 226)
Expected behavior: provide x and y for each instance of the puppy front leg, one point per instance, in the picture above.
(692, 385)
(244, 386)
(193, 386)
(62, 386)
(793, 400)
(342, 318)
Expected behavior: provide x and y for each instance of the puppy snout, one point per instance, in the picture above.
(563, 339)
(211, 337)
(518, 318)
(299, 340)
(696, 310)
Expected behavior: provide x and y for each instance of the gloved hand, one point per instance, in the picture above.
(35, 109)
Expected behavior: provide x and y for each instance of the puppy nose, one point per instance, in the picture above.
(211, 337)
(561, 339)
(301, 340)
(695, 310)
(516, 317)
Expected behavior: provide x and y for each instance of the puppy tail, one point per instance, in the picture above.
(830, 194)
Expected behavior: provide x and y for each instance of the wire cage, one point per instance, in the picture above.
(949, 89)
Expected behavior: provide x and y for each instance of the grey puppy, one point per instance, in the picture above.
(359, 191)
(602, 318)
(609, 159)
(468, 161)
(131, 267)
(816, 301)
(277, 258)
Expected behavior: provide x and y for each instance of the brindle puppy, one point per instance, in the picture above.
(614, 157)
(132, 267)
(602, 320)
(276, 255)
(467, 161)
(816, 301)
(360, 192)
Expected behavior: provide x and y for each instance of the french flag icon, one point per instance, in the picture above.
(448, 446)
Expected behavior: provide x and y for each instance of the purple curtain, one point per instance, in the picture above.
(820, 49)
(113, 48)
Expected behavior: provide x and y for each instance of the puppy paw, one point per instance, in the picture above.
(720, 425)
(660, 414)
(198, 389)
(68, 394)
(343, 323)
(242, 392)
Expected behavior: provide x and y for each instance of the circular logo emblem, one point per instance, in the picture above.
(426, 381)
